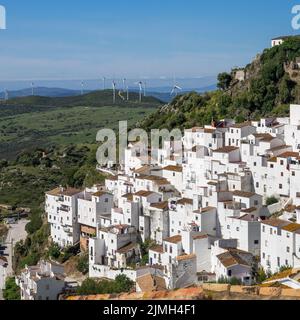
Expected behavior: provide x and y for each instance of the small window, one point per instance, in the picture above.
(272, 166)
(280, 186)
(288, 249)
(256, 242)
(281, 162)
(293, 173)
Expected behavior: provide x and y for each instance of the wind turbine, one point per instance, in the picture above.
(104, 83)
(176, 88)
(141, 90)
(145, 88)
(5, 95)
(82, 88)
(32, 88)
(124, 84)
(127, 91)
(114, 91)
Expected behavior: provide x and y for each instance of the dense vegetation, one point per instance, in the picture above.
(92, 99)
(23, 183)
(119, 285)
(268, 89)
(11, 291)
(27, 128)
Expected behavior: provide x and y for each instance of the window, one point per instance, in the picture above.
(280, 186)
(271, 231)
(257, 184)
(288, 249)
(293, 173)
(278, 261)
(287, 235)
(264, 229)
(272, 166)
(254, 164)
(256, 241)
(106, 200)
(228, 227)
(238, 229)
(281, 162)
(264, 255)
(256, 203)
(229, 273)
(282, 174)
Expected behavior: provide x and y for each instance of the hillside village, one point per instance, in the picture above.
(224, 210)
(227, 207)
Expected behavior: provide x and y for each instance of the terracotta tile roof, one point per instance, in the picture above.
(249, 210)
(144, 193)
(292, 227)
(174, 239)
(157, 248)
(127, 248)
(243, 194)
(160, 205)
(278, 223)
(264, 136)
(69, 192)
(232, 258)
(226, 149)
(200, 236)
(185, 201)
(112, 178)
(180, 294)
(205, 210)
(186, 257)
(150, 283)
(173, 168)
(242, 125)
(206, 130)
(100, 194)
(289, 155)
(128, 196)
(143, 169)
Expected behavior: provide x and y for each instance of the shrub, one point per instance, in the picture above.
(54, 251)
(271, 200)
(119, 285)
(11, 291)
(83, 264)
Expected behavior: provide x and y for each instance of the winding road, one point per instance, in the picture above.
(16, 233)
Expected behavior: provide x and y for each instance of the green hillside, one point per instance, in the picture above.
(38, 122)
(93, 99)
(272, 82)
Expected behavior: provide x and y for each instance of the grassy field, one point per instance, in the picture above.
(60, 126)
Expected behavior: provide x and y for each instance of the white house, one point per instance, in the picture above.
(42, 282)
(62, 211)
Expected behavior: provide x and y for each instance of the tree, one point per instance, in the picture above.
(123, 284)
(271, 200)
(54, 251)
(11, 291)
(91, 286)
(83, 264)
(224, 80)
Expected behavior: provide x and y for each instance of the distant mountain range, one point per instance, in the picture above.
(161, 93)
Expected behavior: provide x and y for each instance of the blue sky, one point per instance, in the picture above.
(146, 38)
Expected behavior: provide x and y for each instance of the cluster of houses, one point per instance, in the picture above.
(203, 212)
